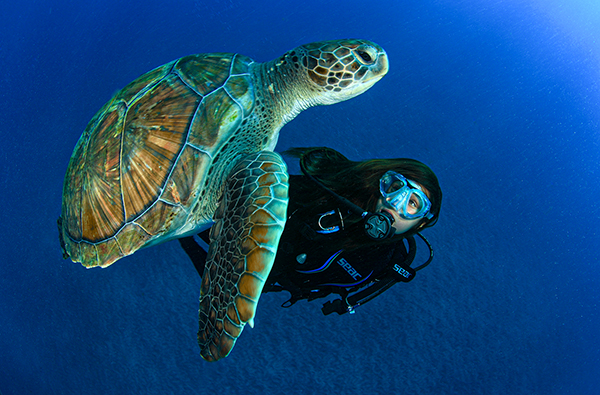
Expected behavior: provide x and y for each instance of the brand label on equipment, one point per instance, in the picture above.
(401, 271)
(347, 267)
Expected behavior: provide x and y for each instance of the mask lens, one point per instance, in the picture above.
(395, 186)
(404, 196)
(415, 203)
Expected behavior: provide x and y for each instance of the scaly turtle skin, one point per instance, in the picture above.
(190, 143)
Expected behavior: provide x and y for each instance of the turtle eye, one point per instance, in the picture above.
(366, 54)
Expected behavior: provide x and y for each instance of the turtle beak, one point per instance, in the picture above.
(377, 69)
(374, 65)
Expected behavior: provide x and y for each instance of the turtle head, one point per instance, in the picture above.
(338, 70)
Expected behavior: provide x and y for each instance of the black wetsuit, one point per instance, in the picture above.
(310, 258)
(320, 253)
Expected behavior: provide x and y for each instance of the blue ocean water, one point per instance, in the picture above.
(500, 98)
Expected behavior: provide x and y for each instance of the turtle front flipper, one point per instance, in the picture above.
(243, 242)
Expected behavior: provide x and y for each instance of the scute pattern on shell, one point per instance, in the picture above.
(140, 165)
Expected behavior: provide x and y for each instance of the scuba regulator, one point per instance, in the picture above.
(377, 226)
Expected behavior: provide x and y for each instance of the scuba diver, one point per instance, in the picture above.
(350, 228)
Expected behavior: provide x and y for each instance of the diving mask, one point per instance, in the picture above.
(405, 196)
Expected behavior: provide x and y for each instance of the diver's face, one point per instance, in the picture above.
(400, 224)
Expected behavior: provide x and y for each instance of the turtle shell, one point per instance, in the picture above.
(142, 162)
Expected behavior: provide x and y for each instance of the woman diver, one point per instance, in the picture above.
(350, 228)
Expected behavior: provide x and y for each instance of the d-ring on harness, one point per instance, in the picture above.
(378, 226)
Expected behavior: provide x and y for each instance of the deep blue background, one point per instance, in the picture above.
(500, 98)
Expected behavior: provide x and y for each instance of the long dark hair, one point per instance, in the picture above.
(359, 181)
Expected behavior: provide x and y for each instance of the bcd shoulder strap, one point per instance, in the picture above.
(400, 271)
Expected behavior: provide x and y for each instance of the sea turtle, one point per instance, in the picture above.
(189, 145)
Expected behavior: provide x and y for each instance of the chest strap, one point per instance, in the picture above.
(399, 273)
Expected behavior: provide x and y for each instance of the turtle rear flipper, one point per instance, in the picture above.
(243, 242)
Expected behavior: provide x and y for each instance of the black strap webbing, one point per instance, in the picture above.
(400, 272)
